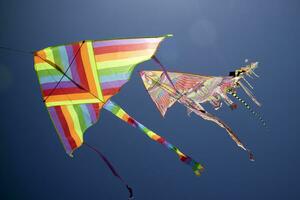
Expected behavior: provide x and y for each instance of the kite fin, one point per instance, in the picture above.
(120, 113)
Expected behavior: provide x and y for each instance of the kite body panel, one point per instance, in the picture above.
(77, 79)
(193, 90)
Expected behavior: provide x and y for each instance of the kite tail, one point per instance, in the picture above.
(112, 169)
(120, 113)
(210, 117)
(249, 108)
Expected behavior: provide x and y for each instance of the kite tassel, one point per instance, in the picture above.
(112, 169)
(130, 192)
(251, 156)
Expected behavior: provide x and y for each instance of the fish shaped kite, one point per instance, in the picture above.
(78, 80)
(191, 90)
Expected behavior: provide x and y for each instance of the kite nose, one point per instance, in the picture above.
(142, 73)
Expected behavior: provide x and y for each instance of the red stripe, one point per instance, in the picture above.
(120, 48)
(131, 121)
(65, 127)
(96, 109)
(110, 91)
(161, 140)
(59, 91)
(80, 66)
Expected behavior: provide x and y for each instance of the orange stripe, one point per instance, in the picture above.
(38, 60)
(106, 97)
(123, 55)
(41, 54)
(87, 69)
(155, 137)
(71, 126)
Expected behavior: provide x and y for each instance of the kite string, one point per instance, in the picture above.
(16, 50)
(112, 169)
(168, 77)
(64, 74)
(164, 70)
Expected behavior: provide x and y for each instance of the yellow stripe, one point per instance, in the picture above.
(94, 69)
(120, 113)
(62, 103)
(123, 55)
(43, 66)
(71, 126)
(122, 62)
(66, 100)
(76, 122)
(49, 54)
(87, 69)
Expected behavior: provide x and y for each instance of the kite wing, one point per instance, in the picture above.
(160, 88)
(78, 79)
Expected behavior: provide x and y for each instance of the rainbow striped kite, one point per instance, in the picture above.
(77, 80)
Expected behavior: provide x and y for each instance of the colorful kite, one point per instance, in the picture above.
(77, 80)
(166, 88)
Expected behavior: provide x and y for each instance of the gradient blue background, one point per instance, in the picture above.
(210, 38)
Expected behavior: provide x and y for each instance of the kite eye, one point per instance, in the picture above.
(149, 81)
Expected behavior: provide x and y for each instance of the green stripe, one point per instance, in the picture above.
(57, 58)
(121, 69)
(81, 118)
(44, 73)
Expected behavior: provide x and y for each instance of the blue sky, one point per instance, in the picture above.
(210, 38)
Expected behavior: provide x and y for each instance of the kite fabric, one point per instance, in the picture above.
(120, 113)
(192, 90)
(77, 80)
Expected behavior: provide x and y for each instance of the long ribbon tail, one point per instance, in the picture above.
(120, 113)
(210, 117)
(250, 109)
(112, 169)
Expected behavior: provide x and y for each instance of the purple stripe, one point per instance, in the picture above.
(92, 112)
(125, 42)
(73, 68)
(63, 84)
(113, 84)
(59, 129)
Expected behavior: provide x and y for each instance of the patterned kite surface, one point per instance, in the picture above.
(78, 79)
(191, 90)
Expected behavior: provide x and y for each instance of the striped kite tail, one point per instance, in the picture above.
(120, 113)
(249, 108)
